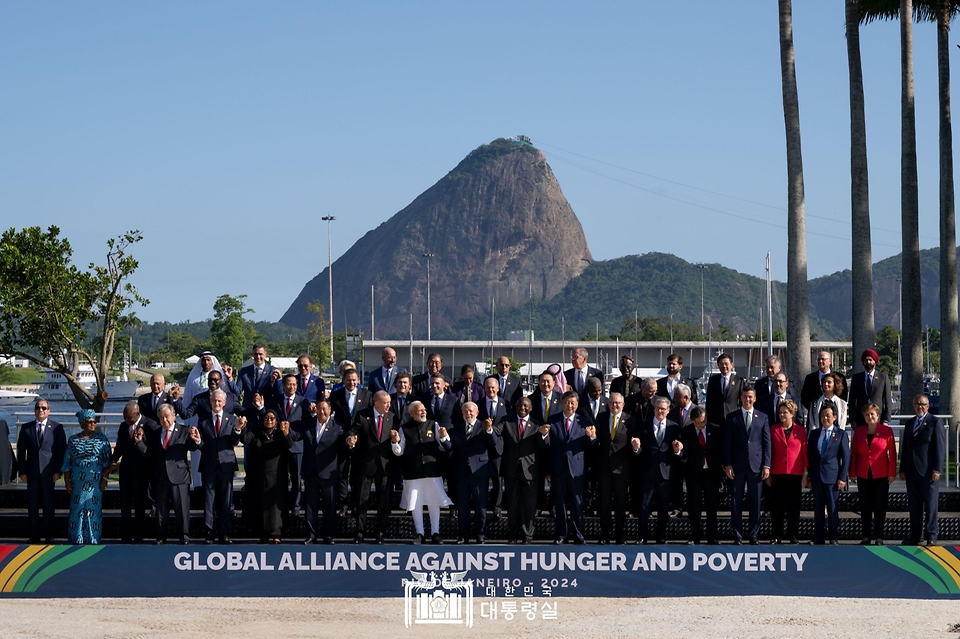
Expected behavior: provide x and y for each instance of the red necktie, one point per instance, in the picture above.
(218, 425)
(521, 427)
(683, 415)
(703, 446)
(379, 426)
(304, 385)
(166, 439)
(289, 407)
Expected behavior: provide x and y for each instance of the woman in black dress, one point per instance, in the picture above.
(266, 447)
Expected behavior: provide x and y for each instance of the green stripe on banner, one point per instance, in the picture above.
(71, 559)
(44, 560)
(911, 565)
(935, 566)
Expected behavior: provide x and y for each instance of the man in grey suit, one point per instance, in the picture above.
(41, 446)
(746, 462)
(922, 445)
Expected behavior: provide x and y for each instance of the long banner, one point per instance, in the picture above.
(418, 573)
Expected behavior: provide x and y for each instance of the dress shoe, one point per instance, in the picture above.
(738, 541)
(929, 542)
(358, 538)
(879, 542)
(833, 542)
(185, 542)
(329, 541)
(527, 541)
(579, 541)
(380, 538)
(417, 539)
(865, 541)
(436, 540)
(461, 541)
(497, 512)
(603, 542)
(208, 541)
(621, 541)
(661, 542)
(775, 542)
(138, 540)
(910, 542)
(754, 541)
(160, 542)
(343, 511)
(817, 542)
(714, 542)
(309, 540)
(49, 541)
(558, 541)
(481, 540)
(34, 540)
(794, 541)
(226, 541)
(691, 542)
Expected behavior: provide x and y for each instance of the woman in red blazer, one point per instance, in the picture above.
(788, 471)
(873, 466)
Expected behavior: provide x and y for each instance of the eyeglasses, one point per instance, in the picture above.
(41, 408)
(921, 404)
(304, 366)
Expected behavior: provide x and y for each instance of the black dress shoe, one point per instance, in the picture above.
(481, 540)
(865, 541)
(329, 541)
(358, 538)
(380, 539)
(754, 541)
(833, 542)
(558, 541)
(436, 540)
(691, 542)
(579, 541)
(208, 541)
(527, 541)
(226, 541)
(497, 512)
(417, 539)
(621, 541)
(713, 542)
(661, 542)
(34, 540)
(794, 541)
(775, 542)
(309, 540)
(879, 542)
(738, 541)
(603, 542)
(160, 542)
(184, 542)
(49, 541)
(910, 542)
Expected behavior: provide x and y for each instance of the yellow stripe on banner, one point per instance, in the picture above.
(20, 563)
(946, 559)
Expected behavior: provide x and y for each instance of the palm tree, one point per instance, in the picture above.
(862, 253)
(798, 307)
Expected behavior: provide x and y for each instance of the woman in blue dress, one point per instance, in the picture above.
(88, 454)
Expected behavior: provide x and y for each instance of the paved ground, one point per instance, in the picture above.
(706, 617)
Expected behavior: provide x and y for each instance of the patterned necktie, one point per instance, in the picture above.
(613, 429)
(469, 429)
(916, 425)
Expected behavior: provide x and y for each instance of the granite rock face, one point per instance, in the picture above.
(497, 225)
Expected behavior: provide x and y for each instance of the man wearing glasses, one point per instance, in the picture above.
(309, 386)
(922, 444)
(41, 446)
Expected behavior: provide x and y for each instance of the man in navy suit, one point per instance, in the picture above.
(259, 378)
(374, 463)
(292, 407)
(746, 462)
(659, 448)
(167, 446)
(150, 402)
(41, 446)
(578, 375)
(829, 453)
(703, 461)
(769, 404)
(476, 445)
(922, 446)
(570, 437)
(723, 391)
(135, 473)
(402, 397)
(421, 383)
(870, 385)
(219, 434)
(521, 466)
(667, 386)
(593, 403)
(439, 403)
(545, 401)
(511, 390)
(323, 441)
(309, 386)
(616, 431)
(384, 378)
(495, 408)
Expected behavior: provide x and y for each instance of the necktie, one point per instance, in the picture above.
(436, 406)
(703, 447)
(683, 416)
(580, 381)
(400, 403)
(305, 380)
(256, 377)
(40, 433)
(659, 433)
(869, 384)
(218, 425)
(491, 411)
(166, 439)
(596, 406)
(156, 402)
(826, 442)
(546, 408)
(522, 425)
(613, 429)
(748, 419)
(916, 425)
(776, 406)
(568, 425)
(351, 402)
(319, 431)
(723, 386)
(503, 386)
(469, 429)
(379, 426)
(289, 407)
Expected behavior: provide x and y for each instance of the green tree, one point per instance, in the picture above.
(230, 333)
(47, 304)
(318, 334)
(887, 344)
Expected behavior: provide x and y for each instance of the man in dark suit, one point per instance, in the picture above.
(41, 446)
(440, 404)
(324, 441)
(200, 404)
(219, 435)
(292, 407)
(578, 375)
(594, 403)
(723, 391)
(374, 463)
(383, 378)
(511, 389)
(523, 439)
(682, 405)
(869, 386)
(402, 397)
(494, 407)
(149, 402)
(545, 402)
(627, 384)
(812, 389)
(659, 449)
(666, 386)
(640, 406)
(829, 453)
(167, 446)
(570, 437)
(614, 459)
(746, 462)
(770, 403)
(309, 386)
(346, 403)
(766, 385)
(703, 470)
(259, 378)
(922, 447)
(421, 382)
(476, 445)
(135, 471)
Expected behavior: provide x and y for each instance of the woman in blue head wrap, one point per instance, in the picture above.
(88, 455)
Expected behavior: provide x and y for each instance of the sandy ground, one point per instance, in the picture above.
(705, 617)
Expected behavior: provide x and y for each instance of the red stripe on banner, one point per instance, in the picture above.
(6, 550)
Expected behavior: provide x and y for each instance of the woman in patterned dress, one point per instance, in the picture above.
(88, 454)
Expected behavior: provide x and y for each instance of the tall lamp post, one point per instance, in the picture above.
(328, 219)
(428, 256)
(702, 268)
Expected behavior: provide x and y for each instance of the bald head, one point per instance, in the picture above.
(131, 412)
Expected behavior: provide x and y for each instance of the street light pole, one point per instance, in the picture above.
(428, 256)
(702, 268)
(328, 219)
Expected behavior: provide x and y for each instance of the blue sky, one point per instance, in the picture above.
(224, 131)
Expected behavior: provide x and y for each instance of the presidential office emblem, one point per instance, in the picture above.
(429, 599)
